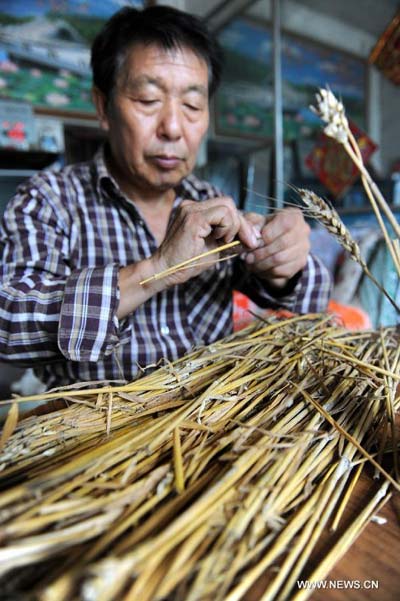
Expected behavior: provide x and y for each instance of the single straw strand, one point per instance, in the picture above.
(179, 266)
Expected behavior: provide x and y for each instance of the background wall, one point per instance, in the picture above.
(347, 25)
(390, 123)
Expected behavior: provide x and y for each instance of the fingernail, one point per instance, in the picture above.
(250, 258)
(253, 240)
(257, 231)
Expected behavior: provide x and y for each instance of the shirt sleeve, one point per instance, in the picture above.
(88, 326)
(308, 292)
(48, 310)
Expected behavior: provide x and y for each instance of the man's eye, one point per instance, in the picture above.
(147, 101)
(192, 107)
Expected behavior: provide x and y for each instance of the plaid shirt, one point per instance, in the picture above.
(64, 237)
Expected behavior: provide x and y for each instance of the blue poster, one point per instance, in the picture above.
(45, 50)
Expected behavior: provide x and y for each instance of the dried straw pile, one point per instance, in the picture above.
(191, 482)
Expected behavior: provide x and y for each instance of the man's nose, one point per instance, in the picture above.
(170, 124)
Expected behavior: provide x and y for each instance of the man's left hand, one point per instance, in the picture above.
(283, 247)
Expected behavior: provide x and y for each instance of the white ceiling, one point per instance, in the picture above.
(369, 16)
(351, 25)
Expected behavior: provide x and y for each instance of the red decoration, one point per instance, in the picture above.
(386, 54)
(333, 166)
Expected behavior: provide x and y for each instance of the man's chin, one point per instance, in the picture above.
(168, 181)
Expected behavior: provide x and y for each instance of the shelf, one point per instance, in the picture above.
(25, 160)
(12, 173)
(362, 210)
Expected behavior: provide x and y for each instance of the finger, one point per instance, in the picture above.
(228, 222)
(260, 261)
(288, 220)
(285, 254)
(231, 224)
(248, 233)
(281, 270)
(187, 203)
(220, 212)
(257, 220)
(218, 221)
(261, 257)
(231, 207)
(291, 241)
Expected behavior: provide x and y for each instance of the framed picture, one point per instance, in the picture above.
(245, 100)
(45, 51)
(16, 125)
(332, 165)
(386, 53)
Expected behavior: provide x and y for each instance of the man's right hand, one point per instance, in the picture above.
(197, 228)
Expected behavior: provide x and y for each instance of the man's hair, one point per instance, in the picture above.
(164, 26)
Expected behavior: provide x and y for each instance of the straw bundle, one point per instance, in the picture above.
(193, 481)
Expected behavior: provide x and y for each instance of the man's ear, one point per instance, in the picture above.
(100, 102)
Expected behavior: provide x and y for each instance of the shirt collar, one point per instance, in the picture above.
(103, 179)
(107, 186)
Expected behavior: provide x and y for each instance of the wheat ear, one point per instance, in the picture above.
(320, 210)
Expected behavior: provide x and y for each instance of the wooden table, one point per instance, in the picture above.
(374, 556)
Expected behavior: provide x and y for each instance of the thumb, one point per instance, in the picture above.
(256, 222)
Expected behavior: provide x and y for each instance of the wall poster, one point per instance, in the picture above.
(44, 50)
(244, 103)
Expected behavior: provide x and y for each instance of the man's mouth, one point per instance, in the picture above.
(166, 161)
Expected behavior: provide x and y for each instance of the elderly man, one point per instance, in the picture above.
(77, 244)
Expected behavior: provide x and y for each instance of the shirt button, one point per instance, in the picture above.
(164, 330)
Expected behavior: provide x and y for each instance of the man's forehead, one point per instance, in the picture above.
(149, 64)
(144, 80)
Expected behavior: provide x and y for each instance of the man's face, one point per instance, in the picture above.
(157, 117)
